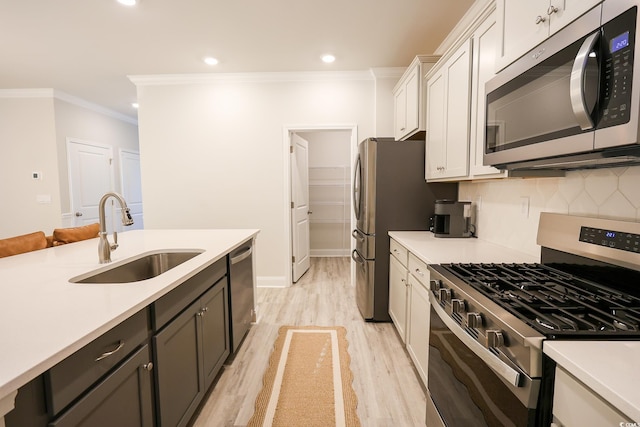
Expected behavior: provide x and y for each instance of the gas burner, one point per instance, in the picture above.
(553, 301)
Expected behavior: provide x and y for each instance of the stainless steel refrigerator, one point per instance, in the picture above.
(389, 193)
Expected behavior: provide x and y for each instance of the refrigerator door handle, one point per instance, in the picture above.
(357, 257)
(358, 235)
(357, 185)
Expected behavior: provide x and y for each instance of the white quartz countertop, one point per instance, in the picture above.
(435, 250)
(44, 318)
(609, 368)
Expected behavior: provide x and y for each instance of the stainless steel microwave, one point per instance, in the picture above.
(573, 101)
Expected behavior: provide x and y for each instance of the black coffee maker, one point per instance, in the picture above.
(452, 219)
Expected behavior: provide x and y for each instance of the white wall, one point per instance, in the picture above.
(603, 193)
(213, 150)
(27, 144)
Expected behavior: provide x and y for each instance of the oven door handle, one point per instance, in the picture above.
(576, 82)
(498, 366)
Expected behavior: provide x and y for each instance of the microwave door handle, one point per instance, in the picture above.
(576, 85)
(498, 366)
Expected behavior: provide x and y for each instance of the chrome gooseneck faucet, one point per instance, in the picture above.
(104, 247)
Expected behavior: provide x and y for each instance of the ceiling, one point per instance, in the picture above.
(87, 48)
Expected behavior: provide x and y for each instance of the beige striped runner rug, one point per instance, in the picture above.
(308, 381)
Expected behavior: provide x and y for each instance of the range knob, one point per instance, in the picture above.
(444, 294)
(458, 306)
(474, 320)
(434, 285)
(494, 338)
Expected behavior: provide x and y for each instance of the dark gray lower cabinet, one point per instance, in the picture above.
(123, 399)
(189, 353)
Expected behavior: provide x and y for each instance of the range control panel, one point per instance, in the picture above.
(612, 239)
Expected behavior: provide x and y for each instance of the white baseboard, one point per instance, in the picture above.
(271, 282)
(318, 253)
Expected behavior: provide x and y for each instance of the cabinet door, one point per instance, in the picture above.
(418, 326)
(179, 378)
(400, 108)
(524, 24)
(123, 399)
(457, 94)
(398, 295)
(215, 331)
(484, 57)
(566, 11)
(435, 139)
(575, 405)
(412, 110)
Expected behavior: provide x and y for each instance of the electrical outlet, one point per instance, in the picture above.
(524, 206)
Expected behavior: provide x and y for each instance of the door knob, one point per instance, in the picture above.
(78, 213)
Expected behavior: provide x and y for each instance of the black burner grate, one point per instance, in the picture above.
(552, 301)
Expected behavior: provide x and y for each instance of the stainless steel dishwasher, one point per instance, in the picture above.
(241, 292)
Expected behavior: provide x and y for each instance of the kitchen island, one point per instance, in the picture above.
(44, 318)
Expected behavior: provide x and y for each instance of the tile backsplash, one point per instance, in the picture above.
(507, 210)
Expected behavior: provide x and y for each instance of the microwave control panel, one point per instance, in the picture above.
(617, 68)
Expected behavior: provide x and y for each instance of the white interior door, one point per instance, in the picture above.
(131, 186)
(300, 205)
(90, 177)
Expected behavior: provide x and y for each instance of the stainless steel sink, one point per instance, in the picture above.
(142, 267)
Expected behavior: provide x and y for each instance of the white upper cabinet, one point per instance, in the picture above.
(525, 24)
(409, 98)
(485, 41)
(448, 108)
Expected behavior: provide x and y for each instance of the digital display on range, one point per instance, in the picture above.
(610, 238)
(620, 42)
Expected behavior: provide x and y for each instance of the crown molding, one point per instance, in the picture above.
(271, 77)
(387, 72)
(62, 96)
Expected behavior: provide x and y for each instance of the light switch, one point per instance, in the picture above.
(524, 207)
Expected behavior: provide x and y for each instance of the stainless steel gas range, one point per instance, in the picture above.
(488, 321)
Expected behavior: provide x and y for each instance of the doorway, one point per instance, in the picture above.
(322, 192)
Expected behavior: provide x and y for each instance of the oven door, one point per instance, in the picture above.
(469, 385)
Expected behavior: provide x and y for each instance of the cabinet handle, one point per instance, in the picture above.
(552, 9)
(109, 353)
(419, 272)
(540, 19)
(402, 129)
(148, 366)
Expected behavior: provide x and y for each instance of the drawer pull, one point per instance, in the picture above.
(109, 353)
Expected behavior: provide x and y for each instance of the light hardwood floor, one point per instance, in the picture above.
(389, 392)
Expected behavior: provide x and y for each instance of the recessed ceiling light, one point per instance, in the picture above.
(209, 60)
(128, 2)
(135, 105)
(328, 58)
